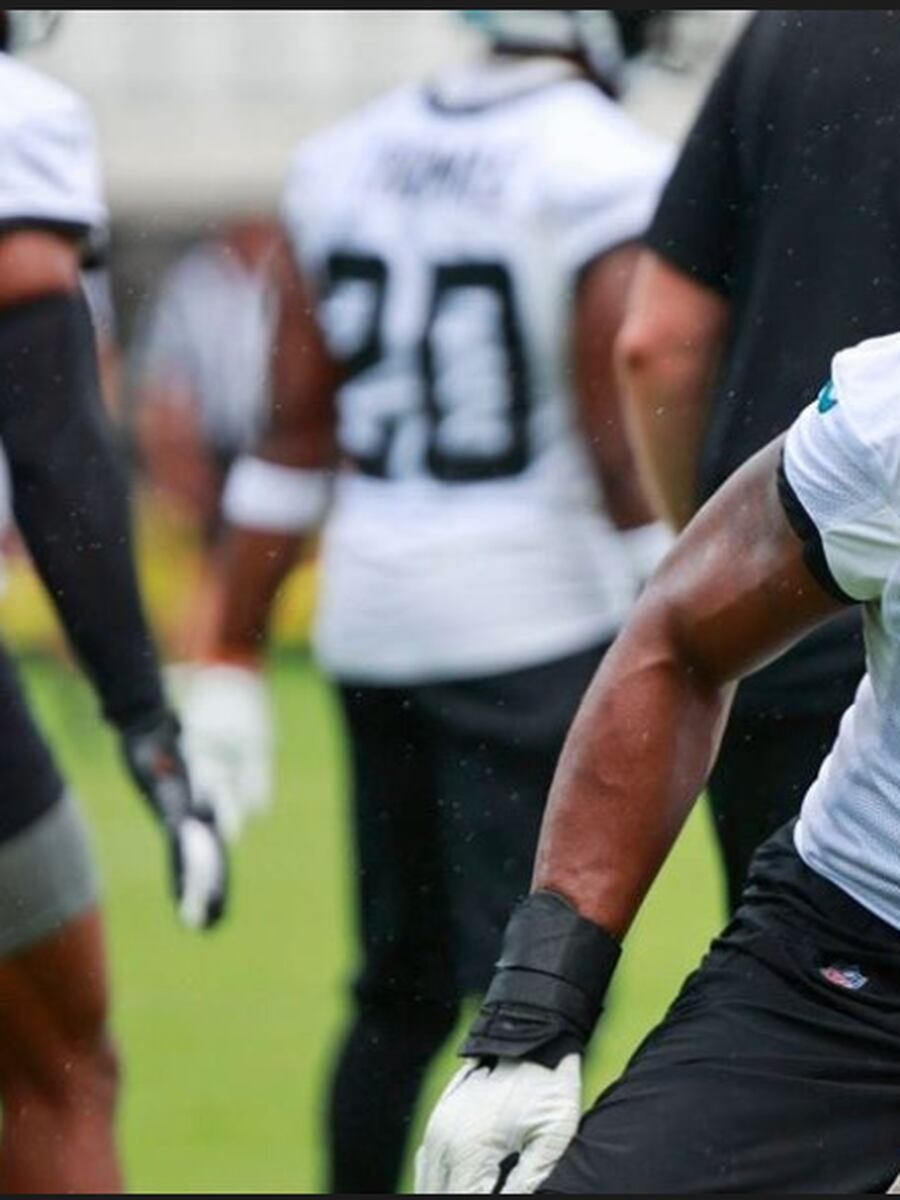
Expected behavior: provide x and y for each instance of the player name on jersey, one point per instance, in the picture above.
(419, 173)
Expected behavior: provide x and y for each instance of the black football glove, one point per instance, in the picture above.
(199, 862)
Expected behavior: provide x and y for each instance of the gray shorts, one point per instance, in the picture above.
(47, 877)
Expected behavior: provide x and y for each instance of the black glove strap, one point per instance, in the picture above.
(552, 977)
(153, 753)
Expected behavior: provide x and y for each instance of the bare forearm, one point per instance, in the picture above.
(668, 353)
(734, 593)
(276, 498)
(636, 759)
(599, 312)
(255, 565)
(667, 418)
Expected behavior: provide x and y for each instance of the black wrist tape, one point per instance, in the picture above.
(552, 977)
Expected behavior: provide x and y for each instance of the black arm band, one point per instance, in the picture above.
(551, 980)
(70, 497)
(806, 530)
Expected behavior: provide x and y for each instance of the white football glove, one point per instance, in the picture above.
(488, 1114)
(228, 739)
(200, 870)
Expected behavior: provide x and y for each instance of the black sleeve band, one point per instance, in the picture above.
(70, 497)
(551, 980)
(805, 528)
(75, 230)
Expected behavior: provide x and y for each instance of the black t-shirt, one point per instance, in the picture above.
(786, 200)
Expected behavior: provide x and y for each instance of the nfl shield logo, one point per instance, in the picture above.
(851, 979)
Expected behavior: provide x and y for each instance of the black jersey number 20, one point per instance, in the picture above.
(475, 431)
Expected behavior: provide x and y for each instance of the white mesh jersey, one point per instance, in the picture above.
(842, 461)
(49, 168)
(445, 229)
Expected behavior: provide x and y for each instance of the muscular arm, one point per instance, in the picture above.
(668, 352)
(600, 310)
(69, 492)
(734, 593)
(300, 435)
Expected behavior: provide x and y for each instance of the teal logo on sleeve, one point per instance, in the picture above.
(827, 399)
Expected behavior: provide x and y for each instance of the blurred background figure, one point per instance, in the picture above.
(775, 242)
(200, 372)
(449, 409)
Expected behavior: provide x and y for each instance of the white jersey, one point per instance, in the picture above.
(446, 229)
(842, 463)
(49, 168)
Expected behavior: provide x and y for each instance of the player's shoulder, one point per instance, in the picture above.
(328, 147)
(865, 386)
(579, 114)
(584, 135)
(32, 101)
(850, 435)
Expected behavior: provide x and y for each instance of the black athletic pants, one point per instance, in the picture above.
(764, 769)
(449, 786)
(777, 1070)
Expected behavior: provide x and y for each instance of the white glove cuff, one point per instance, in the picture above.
(266, 496)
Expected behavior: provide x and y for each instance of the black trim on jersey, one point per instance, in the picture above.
(449, 109)
(805, 528)
(72, 229)
(92, 240)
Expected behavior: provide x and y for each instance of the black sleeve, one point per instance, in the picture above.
(70, 498)
(697, 221)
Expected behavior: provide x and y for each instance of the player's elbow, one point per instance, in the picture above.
(636, 348)
(648, 355)
(669, 633)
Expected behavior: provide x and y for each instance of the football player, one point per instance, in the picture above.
(778, 1068)
(57, 1067)
(456, 265)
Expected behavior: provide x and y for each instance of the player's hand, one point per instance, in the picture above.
(198, 860)
(228, 739)
(490, 1116)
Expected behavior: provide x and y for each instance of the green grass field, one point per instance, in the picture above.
(227, 1039)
